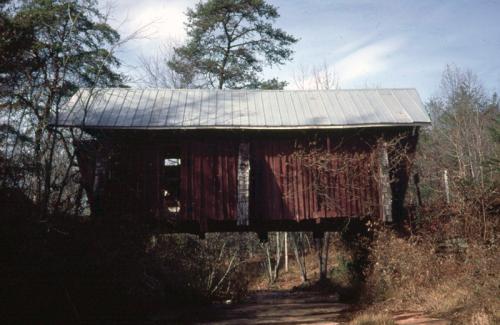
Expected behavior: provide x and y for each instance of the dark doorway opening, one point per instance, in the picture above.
(171, 183)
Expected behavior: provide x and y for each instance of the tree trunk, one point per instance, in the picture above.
(322, 243)
(272, 269)
(278, 256)
(298, 250)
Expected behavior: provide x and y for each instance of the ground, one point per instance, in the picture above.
(286, 307)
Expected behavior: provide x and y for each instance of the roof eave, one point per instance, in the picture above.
(234, 127)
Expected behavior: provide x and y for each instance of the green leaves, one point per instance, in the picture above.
(49, 49)
(271, 84)
(67, 40)
(229, 43)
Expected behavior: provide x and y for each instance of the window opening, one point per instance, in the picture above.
(171, 184)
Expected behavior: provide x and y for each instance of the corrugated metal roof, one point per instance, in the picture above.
(211, 108)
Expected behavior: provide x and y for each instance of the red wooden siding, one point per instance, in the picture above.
(288, 186)
(286, 183)
(209, 181)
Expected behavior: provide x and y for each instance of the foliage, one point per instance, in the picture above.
(494, 160)
(209, 269)
(81, 269)
(155, 71)
(446, 259)
(64, 42)
(444, 263)
(372, 319)
(271, 84)
(461, 144)
(86, 270)
(421, 273)
(53, 48)
(16, 39)
(229, 42)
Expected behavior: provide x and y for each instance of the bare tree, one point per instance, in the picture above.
(460, 143)
(73, 47)
(319, 77)
(325, 77)
(272, 266)
(300, 76)
(298, 240)
(155, 71)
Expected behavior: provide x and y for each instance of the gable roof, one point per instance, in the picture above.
(127, 108)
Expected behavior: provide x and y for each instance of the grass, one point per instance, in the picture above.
(372, 319)
(408, 274)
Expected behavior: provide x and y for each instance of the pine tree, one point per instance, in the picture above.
(229, 43)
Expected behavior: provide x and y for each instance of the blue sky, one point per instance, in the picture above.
(367, 43)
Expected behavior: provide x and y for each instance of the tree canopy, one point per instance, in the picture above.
(49, 49)
(229, 43)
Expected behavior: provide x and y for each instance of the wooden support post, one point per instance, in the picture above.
(99, 178)
(416, 181)
(446, 186)
(385, 184)
(243, 184)
(286, 251)
(321, 243)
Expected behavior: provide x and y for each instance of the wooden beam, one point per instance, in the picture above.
(243, 184)
(385, 184)
(99, 178)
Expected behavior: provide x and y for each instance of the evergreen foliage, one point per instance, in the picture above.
(229, 43)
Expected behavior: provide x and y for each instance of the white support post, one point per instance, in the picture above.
(243, 184)
(99, 175)
(385, 185)
(446, 186)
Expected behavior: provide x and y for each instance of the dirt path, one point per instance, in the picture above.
(281, 307)
(284, 307)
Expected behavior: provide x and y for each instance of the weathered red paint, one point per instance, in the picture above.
(283, 187)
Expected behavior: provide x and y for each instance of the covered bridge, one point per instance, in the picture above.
(239, 160)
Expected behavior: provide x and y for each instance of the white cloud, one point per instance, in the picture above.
(359, 63)
(368, 60)
(351, 46)
(164, 20)
(156, 21)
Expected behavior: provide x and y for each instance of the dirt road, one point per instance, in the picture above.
(284, 307)
(281, 307)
